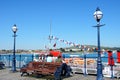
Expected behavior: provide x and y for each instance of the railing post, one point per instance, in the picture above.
(32, 57)
(20, 61)
(111, 65)
(0, 56)
(9, 60)
(84, 64)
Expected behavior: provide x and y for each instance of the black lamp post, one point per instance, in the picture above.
(98, 15)
(14, 29)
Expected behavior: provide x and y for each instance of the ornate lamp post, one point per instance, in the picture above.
(98, 15)
(14, 29)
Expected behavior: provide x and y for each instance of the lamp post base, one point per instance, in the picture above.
(14, 66)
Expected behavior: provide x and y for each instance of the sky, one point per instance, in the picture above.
(70, 20)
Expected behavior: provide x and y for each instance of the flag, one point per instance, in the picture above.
(118, 56)
(110, 58)
(46, 47)
(54, 45)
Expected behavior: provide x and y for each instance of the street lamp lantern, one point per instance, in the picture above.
(14, 29)
(98, 15)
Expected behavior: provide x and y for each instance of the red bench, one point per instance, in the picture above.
(30, 67)
(40, 68)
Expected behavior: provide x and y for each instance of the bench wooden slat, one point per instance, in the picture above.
(44, 68)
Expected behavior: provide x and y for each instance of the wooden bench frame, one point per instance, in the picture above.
(40, 68)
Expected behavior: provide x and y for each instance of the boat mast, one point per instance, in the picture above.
(50, 36)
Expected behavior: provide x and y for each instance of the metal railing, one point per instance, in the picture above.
(20, 59)
(85, 67)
